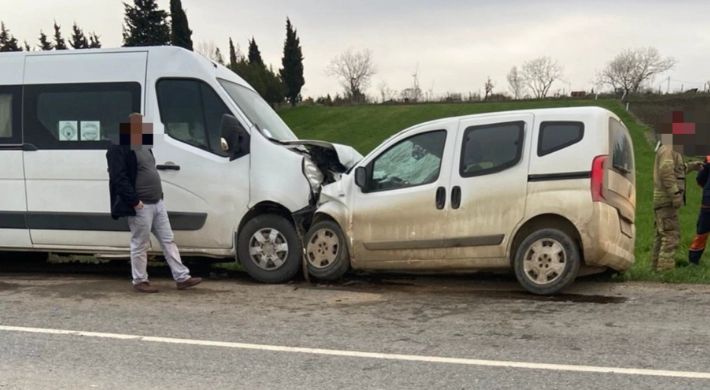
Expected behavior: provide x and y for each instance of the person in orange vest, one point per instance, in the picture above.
(702, 229)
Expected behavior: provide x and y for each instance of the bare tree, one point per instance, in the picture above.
(540, 73)
(354, 71)
(489, 88)
(207, 49)
(386, 92)
(631, 68)
(516, 83)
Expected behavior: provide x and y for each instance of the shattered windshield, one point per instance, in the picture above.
(414, 161)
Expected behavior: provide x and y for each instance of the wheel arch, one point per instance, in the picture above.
(339, 219)
(543, 221)
(265, 207)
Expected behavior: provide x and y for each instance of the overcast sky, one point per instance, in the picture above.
(456, 44)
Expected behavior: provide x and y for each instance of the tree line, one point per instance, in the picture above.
(145, 24)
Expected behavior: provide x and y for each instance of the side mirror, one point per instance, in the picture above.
(361, 178)
(234, 137)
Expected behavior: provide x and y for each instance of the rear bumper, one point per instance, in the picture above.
(605, 245)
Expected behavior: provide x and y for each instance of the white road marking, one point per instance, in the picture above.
(370, 355)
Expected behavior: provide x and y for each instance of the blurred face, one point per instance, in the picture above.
(688, 132)
(139, 134)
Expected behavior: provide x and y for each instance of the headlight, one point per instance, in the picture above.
(313, 174)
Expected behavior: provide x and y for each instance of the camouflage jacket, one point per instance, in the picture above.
(669, 172)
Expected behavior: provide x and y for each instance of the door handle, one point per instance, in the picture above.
(456, 197)
(168, 167)
(440, 198)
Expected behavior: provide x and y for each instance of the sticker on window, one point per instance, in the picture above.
(90, 130)
(68, 131)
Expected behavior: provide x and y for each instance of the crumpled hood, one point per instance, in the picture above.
(346, 156)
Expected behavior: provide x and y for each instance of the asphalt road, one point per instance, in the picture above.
(405, 333)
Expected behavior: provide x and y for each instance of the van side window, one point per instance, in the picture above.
(192, 113)
(78, 116)
(491, 148)
(10, 130)
(556, 136)
(412, 162)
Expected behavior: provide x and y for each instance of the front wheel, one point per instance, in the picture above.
(327, 255)
(547, 261)
(269, 249)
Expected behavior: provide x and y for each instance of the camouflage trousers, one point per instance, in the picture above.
(666, 239)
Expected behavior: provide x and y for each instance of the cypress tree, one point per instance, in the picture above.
(7, 41)
(94, 42)
(254, 54)
(145, 24)
(218, 56)
(59, 43)
(232, 55)
(181, 35)
(78, 39)
(44, 43)
(292, 62)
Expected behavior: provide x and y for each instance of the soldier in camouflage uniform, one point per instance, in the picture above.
(669, 173)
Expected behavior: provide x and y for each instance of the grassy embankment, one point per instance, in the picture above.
(365, 127)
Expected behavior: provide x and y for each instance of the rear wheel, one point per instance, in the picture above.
(269, 249)
(326, 251)
(547, 261)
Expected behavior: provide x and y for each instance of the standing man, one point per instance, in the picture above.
(703, 226)
(136, 193)
(669, 172)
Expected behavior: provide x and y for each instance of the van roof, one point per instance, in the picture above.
(151, 49)
(156, 53)
(581, 110)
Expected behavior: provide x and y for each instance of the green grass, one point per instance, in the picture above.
(365, 127)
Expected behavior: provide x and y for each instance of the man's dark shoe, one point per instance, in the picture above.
(188, 283)
(144, 287)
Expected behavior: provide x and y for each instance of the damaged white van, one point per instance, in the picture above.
(549, 193)
(246, 197)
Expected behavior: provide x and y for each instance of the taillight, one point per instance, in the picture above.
(598, 178)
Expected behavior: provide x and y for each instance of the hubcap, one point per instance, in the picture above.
(545, 261)
(268, 249)
(323, 248)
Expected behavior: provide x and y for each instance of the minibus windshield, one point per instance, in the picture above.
(258, 112)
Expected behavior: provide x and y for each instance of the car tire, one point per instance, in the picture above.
(327, 254)
(547, 261)
(272, 264)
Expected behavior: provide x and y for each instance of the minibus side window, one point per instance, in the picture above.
(191, 112)
(77, 116)
(9, 130)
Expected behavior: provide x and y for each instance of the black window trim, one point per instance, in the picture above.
(544, 124)
(500, 168)
(370, 167)
(15, 139)
(31, 125)
(204, 118)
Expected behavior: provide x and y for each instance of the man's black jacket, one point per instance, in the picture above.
(122, 171)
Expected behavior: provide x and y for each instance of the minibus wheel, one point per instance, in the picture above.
(326, 251)
(269, 249)
(547, 261)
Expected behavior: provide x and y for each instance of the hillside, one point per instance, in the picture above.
(365, 127)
